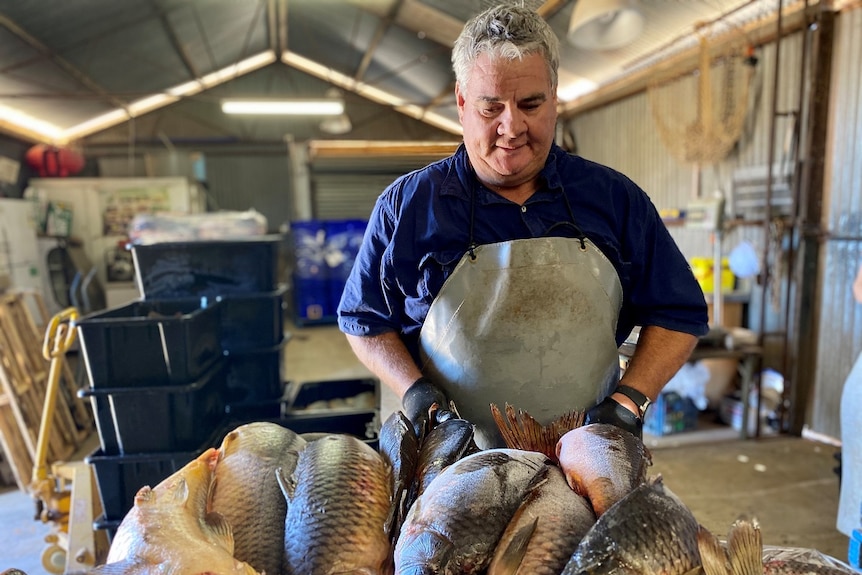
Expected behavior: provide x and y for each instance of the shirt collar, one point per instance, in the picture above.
(461, 178)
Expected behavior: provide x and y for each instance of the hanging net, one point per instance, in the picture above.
(701, 114)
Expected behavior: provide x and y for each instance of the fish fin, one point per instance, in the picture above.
(181, 493)
(745, 548)
(286, 484)
(219, 531)
(696, 571)
(508, 562)
(713, 556)
(393, 519)
(144, 495)
(537, 481)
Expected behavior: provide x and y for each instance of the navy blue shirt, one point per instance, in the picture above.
(420, 229)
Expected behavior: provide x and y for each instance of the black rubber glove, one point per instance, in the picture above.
(417, 402)
(613, 413)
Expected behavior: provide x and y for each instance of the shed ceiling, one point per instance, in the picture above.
(108, 71)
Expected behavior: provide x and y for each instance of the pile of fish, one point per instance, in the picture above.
(272, 502)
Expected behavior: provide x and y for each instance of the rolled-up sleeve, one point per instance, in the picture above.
(664, 291)
(366, 307)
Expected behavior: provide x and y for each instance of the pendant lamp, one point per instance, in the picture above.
(604, 24)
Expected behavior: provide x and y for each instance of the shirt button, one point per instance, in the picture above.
(523, 209)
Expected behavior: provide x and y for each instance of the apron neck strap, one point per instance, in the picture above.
(579, 234)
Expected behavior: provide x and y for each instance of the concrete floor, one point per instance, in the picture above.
(786, 483)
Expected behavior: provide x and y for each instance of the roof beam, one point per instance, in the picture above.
(176, 44)
(272, 25)
(382, 28)
(64, 64)
(282, 26)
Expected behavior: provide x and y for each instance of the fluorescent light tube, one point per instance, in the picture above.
(290, 107)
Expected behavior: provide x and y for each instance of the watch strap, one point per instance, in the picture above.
(642, 401)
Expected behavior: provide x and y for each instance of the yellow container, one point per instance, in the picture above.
(703, 272)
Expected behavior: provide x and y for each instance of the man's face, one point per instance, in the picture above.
(509, 115)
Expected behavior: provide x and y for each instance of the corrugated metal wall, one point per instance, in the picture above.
(251, 181)
(347, 187)
(840, 317)
(638, 152)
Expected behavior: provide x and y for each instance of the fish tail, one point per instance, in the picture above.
(712, 553)
(521, 431)
(745, 548)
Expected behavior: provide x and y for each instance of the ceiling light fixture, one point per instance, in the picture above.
(336, 125)
(325, 107)
(605, 25)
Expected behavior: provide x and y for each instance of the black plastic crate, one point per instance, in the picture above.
(337, 395)
(165, 418)
(105, 424)
(150, 343)
(120, 477)
(363, 424)
(252, 321)
(248, 411)
(212, 268)
(256, 375)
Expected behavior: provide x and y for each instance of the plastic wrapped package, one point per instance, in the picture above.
(157, 228)
(808, 556)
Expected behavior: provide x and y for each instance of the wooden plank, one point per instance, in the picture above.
(15, 407)
(31, 336)
(12, 443)
(24, 374)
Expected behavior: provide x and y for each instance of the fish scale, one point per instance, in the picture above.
(337, 505)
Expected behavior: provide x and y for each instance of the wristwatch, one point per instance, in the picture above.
(642, 401)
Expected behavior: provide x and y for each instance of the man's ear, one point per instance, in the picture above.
(459, 96)
(459, 100)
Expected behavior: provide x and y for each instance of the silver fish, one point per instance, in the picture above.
(649, 531)
(168, 530)
(454, 526)
(545, 530)
(338, 502)
(603, 463)
(247, 494)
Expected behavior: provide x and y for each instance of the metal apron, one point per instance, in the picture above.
(526, 322)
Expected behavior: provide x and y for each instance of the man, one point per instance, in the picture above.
(511, 271)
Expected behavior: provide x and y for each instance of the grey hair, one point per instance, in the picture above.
(505, 31)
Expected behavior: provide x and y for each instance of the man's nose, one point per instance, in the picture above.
(512, 123)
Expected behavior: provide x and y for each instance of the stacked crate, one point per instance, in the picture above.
(198, 355)
(168, 371)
